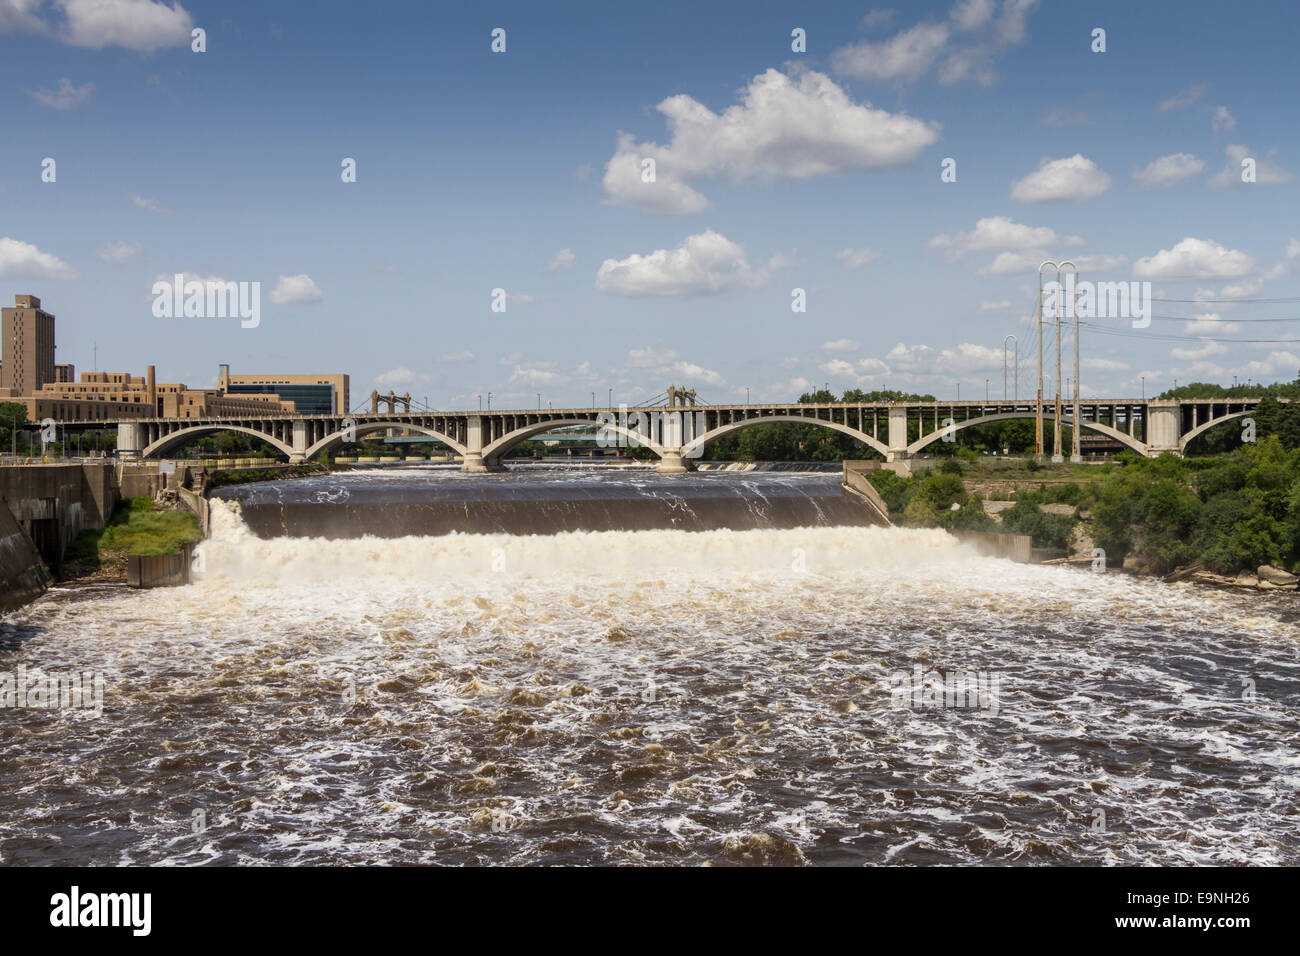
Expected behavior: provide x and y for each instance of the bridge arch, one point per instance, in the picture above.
(1204, 427)
(195, 431)
(494, 451)
(1107, 430)
(362, 428)
(700, 443)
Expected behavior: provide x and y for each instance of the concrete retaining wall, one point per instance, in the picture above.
(53, 503)
(1016, 547)
(855, 481)
(159, 570)
(22, 575)
(198, 505)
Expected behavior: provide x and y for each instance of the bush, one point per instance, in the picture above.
(1048, 531)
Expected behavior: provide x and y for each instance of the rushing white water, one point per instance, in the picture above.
(656, 696)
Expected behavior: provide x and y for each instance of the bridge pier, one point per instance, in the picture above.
(1163, 427)
(673, 463)
(130, 440)
(897, 433)
(299, 454)
(476, 464)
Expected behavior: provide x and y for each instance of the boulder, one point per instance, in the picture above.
(1246, 580)
(1276, 576)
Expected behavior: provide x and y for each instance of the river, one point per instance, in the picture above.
(345, 683)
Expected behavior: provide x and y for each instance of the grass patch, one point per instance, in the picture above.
(137, 528)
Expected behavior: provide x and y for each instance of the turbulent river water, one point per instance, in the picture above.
(712, 691)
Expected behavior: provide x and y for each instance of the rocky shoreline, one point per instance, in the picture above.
(1266, 577)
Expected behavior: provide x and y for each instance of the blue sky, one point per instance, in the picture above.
(775, 170)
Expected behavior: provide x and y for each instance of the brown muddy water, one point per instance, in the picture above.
(721, 690)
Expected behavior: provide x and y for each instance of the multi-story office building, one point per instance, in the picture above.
(29, 375)
(311, 394)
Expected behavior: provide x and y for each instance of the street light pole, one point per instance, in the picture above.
(1038, 401)
(1076, 454)
(1015, 387)
(1058, 455)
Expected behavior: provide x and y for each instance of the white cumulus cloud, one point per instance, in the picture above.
(1072, 179)
(296, 290)
(959, 48)
(22, 260)
(1194, 258)
(841, 345)
(1170, 170)
(1211, 324)
(994, 232)
(784, 127)
(395, 378)
(141, 25)
(705, 264)
(1267, 170)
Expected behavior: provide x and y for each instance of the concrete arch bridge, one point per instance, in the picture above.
(678, 436)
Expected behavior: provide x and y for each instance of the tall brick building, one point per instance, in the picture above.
(27, 334)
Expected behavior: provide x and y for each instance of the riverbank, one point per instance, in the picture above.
(1221, 520)
(138, 526)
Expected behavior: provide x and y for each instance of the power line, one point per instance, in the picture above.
(1221, 301)
(1169, 337)
(1199, 318)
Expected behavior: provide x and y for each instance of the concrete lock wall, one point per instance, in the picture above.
(22, 574)
(54, 503)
